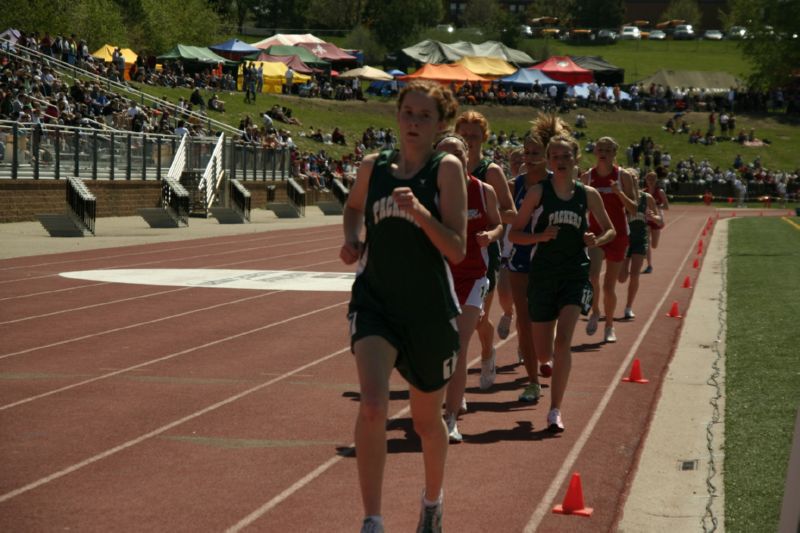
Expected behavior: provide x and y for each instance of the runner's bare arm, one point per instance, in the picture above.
(449, 235)
(494, 228)
(517, 234)
(505, 202)
(353, 217)
(598, 210)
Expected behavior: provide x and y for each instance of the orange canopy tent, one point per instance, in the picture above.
(444, 74)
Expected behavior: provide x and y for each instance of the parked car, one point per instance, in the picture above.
(657, 35)
(737, 32)
(683, 32)
(445, 27)
(630, 33)
(606, 36)
(712, 35)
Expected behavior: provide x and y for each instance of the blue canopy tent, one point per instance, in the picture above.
(234, 49)
(525, 78)
(384, 88)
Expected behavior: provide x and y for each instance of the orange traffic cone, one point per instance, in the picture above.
(700, 247)
(704, 232)
(673, 312)
(573, 500)
(636, 374)
(696, 263)
(687, 283)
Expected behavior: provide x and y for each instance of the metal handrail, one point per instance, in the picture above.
(179, 161)
(210, 181)
(65, 67)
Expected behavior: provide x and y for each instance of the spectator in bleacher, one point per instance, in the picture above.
(181, 130)
(215, 104)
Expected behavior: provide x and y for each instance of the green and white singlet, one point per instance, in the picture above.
(637, 225)
(493, 250)
(565, 256)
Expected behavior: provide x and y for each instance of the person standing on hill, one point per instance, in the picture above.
(558, 286)
(617, 189)
(474, 128)
(413, 204)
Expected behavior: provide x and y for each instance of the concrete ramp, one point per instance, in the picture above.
(62, 225)
(158, 217)
(226, 215)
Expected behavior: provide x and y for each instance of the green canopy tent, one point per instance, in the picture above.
(196, 54)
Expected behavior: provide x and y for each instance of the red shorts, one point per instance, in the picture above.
(616, 249)
(653, 225)
(471, 291)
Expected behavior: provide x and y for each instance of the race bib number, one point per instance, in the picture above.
(586, 298)
(449, 367)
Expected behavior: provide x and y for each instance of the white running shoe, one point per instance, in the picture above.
(463, 408)
(554, 423)
(629, 313)
(610, 335)
(591, 326)
(504, 326)
(452, 429)
(430, 519)
(371, 525)
(488, 371)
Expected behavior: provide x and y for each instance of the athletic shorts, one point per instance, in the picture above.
(615, 250)
(547, 297)
(638, 243)
(493, 251)
(520, 259)
(471, 291)
(426, 349)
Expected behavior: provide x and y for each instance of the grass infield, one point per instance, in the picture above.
(763, 369)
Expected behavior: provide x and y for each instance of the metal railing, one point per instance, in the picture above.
(53, 151)
(179, 161)
(215, 170)
(296, 195)
(175, 200)
(81, 203)
(240, 199)
(340, 191)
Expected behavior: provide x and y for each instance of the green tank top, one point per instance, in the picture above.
(565, 256)
(638, 222)
(481, 169)
(401, 274)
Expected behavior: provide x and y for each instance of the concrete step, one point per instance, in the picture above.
(330, 207)
(226, 215)
(158, 217)
(62, 225)
(283, 210)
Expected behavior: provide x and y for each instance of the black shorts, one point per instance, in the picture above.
(638, 243)
(426, 349)
(547, 297)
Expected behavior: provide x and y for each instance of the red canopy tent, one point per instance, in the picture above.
(290, 61)
(327, 51)
(562, 68)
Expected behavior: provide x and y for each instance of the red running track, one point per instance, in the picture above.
(152, 408)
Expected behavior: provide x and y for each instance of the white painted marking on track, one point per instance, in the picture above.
(265, 280)
(548, 499)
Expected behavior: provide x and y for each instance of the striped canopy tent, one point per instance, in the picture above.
(198, 54)
(290, 61)
(307, 57)
(287, 39)
(490, 67)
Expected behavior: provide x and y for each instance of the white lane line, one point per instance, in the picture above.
(31, 294)
(547, 501)
(201, 256)
(170, 356)
(125, 445)
(85, 307)
(169, 250)
(143, 296)
(321, 469)
(136, 325)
